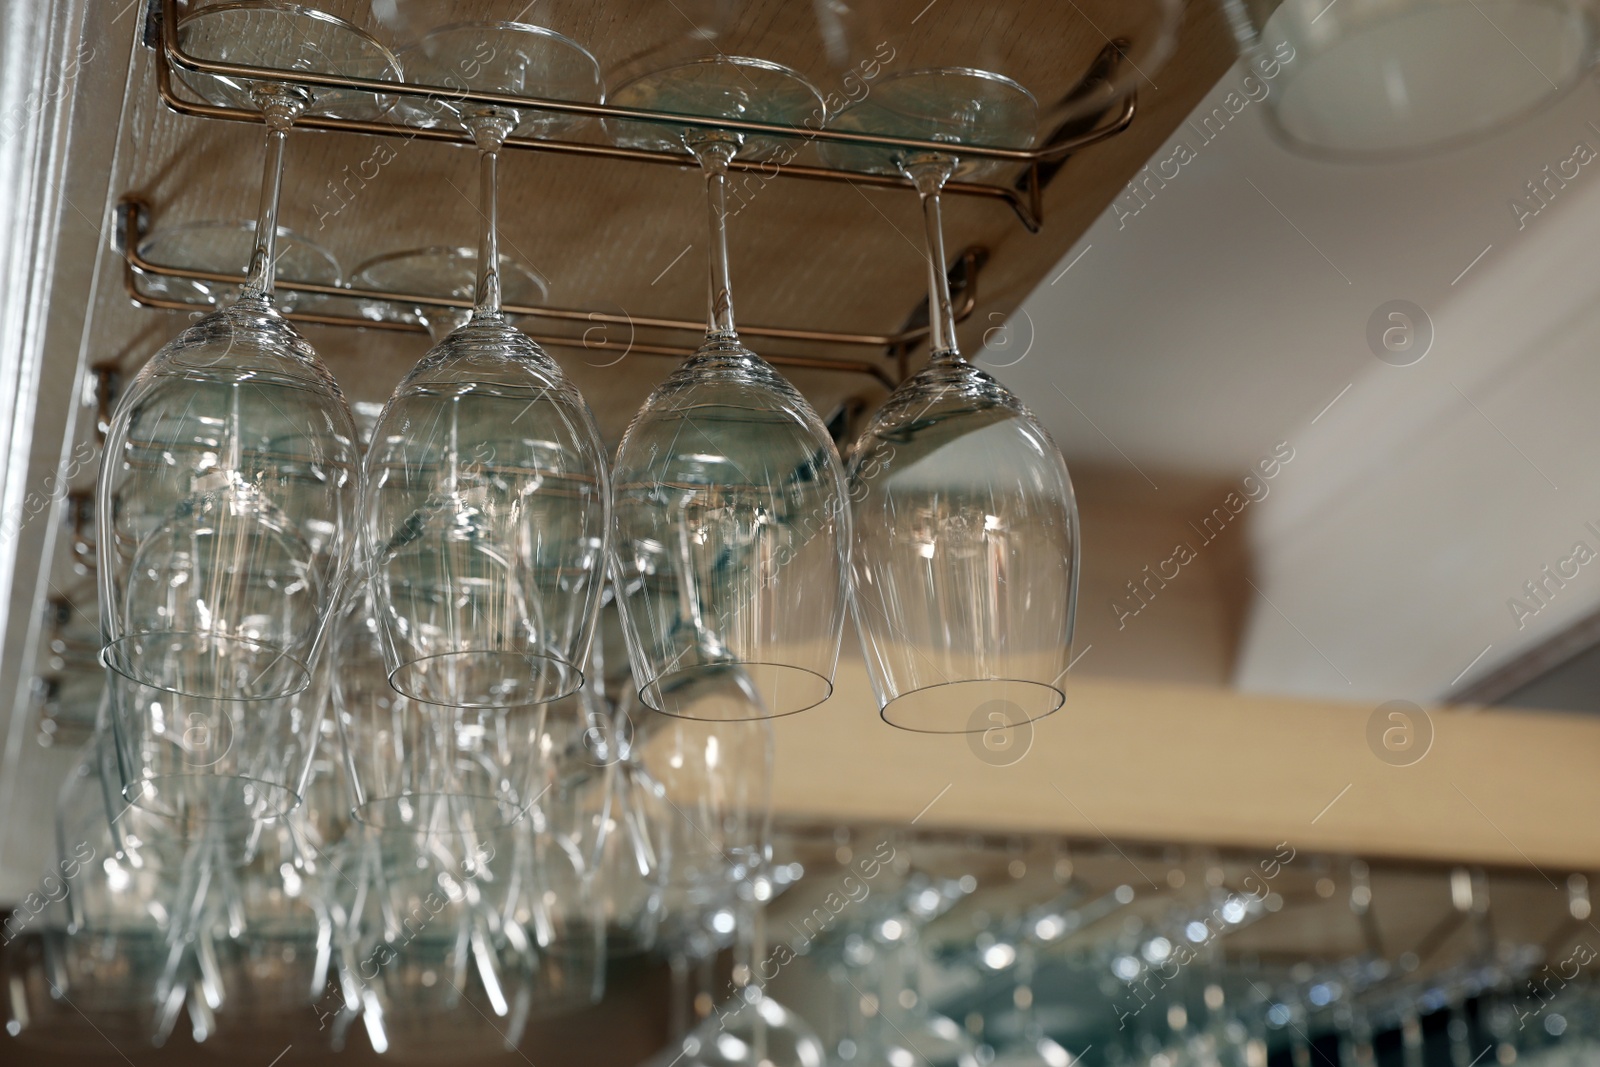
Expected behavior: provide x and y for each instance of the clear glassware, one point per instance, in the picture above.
(106, 933)
(220, 247)
(219, 569)
(631, 871)
(501, 56)
(557, 899)
(440, 973)
(440, 271)
(704, 785)
(1097, 57)
(291, 37)
(712, 780)
(488, 498)
(270, 935)
(1381, 80)
(197, 759)
(328, 836)
(439, 778)
(732, 522)
(340, 878)
(269, 928)
(229, 482)
(965, 560)
(618, 798)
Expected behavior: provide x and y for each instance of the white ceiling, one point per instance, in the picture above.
(1223, 317)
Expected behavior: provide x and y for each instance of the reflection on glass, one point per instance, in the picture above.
(732, 523)
(966, 534)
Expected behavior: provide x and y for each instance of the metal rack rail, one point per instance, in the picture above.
(1026, 200)
(1024, 196)
(133, 219)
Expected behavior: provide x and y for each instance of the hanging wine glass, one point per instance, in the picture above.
(441, 973)
(228, 484)
(711, 780)
(629, 868)
(732, 523)
(201, 759)
(715, 781)
(106, 931)
(443, 781)
(439, 271)
(966, 535)
(271, 926)
(557, 900)
(704, 787)
(488, 501)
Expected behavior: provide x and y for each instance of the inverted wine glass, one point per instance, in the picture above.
(732, 522)
(558, 896)
(107, 937)
(228, 484)
(750, 1028)
(965, 561)
(438, 971)
(443, 780)
(487, 514)
(712, 780)
(715, 782)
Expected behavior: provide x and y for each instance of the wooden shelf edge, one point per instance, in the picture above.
(1135, 762)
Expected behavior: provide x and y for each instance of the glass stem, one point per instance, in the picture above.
(749, 949)
(487, 296)
(714, 156)
(489, 130)
(679, 1007)
(930, 173)
(279, 113)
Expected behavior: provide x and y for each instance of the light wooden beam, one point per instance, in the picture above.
(1190, 764)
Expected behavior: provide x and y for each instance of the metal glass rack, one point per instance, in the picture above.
(133, 219)
(1027, 201)
(1033, 169)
